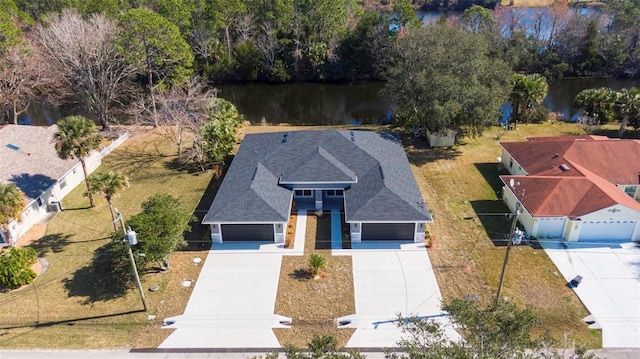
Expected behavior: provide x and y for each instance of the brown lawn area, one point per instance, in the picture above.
(314, 304)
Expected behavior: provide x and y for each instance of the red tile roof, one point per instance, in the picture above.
(593, 167)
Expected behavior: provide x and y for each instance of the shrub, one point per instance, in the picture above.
(539, 114)
(317, 262)
(15, 267)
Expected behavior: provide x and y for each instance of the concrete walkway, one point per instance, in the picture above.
(610, 287)
(390, 279)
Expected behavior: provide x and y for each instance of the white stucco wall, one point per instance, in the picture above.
(33, 213)
(525, 219)
(511, 165)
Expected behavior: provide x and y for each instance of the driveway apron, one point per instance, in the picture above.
(610, 286)
(389, 281)
(232, 304)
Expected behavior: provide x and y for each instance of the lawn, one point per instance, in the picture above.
(70, 306)
(462, 190)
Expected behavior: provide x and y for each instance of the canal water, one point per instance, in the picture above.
(324, 104)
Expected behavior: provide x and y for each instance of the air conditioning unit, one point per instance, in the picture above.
(54, 207)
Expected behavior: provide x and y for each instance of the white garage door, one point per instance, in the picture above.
(606, 230)
(550, 227)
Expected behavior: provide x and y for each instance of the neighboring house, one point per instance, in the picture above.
(29, 160)
(579, 188)
(366, 174)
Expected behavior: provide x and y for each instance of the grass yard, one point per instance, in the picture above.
(462, 190)
(70, 306)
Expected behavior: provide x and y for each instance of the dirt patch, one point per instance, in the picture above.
(315, 304)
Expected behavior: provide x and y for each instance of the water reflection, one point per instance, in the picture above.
(323, 104)
(308, 104)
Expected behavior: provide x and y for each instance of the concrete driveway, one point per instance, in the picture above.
(232, 303)
(390, 279)
(610, 287)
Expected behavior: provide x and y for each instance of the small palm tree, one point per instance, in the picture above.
(76, 138)
(108, 184)
(317, 262)
(11, 204)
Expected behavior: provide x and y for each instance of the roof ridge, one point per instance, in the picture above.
(606, 188)
(331, 158)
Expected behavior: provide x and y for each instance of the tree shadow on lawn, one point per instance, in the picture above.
(51, 243)
(99, 280)
(198, 238)
(494, 217)
(422, 154)
(132, 160)
(613, 133)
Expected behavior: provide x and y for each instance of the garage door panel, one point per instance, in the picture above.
(247, 232)
(606, 230)
(388, 231)
(550, 227)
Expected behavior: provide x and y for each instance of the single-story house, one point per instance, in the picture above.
(366, 173)
(29, 160)
(578, 188)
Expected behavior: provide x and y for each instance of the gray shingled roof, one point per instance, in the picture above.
(34, 166)
(383, 190)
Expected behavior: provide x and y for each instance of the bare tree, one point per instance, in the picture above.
(181, 111)
(22, 76)
(83, 55)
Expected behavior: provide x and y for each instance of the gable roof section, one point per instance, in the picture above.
(596, 166)
(34, 166)
(382, 184)
(617, 161)
(320, 166)
(542, 158)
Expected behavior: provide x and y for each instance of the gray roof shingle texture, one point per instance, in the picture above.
(35, 166)
(386, 190)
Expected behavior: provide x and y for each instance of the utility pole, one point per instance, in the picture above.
(130, 239)
(514, 222)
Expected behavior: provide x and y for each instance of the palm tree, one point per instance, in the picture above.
(627, 105)
(11, 204)
(76, 138)
(108, 184)
(528, 90)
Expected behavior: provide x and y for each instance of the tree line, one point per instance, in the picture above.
(151, 60)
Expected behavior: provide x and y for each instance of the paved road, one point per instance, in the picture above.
(609, 353)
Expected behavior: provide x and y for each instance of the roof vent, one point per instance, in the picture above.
(564, 167)
(13, 147)
(285, 138)
(556, 155)
(353, 136)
